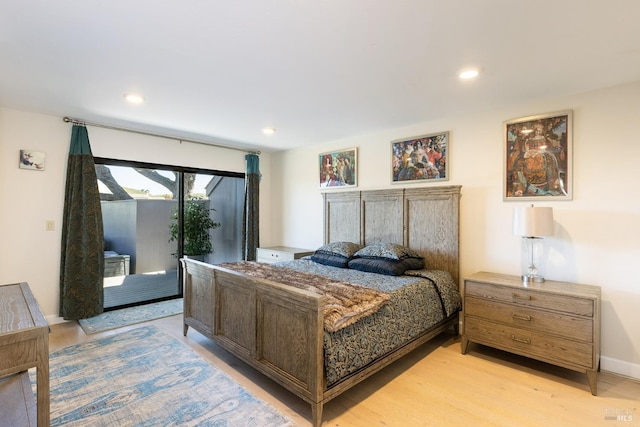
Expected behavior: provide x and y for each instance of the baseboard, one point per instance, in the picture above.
(53, 319)
(620, 367)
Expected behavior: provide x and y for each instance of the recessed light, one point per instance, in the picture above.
(134, 98)
(268, 131)
(469, 74)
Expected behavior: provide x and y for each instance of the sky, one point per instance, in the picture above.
(128, 177)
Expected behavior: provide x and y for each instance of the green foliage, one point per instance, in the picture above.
(197, 224)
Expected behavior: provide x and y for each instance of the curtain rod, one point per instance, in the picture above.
(140, 132)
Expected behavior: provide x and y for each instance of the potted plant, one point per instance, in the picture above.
(197, 224)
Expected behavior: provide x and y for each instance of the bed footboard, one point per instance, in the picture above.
(276, 329)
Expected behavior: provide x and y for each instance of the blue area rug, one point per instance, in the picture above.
(144, 377)
(130, 316)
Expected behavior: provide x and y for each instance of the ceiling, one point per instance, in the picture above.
(316, 70)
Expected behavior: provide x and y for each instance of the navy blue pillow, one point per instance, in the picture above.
(330, 259)
(387, 266)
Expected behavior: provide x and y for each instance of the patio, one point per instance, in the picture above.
(135, 288)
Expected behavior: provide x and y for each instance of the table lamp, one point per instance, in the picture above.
(532, 223)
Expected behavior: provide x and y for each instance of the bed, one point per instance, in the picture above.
(281, 330)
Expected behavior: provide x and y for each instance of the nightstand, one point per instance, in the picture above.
(280, 253)
(555, 322)
(24, 344)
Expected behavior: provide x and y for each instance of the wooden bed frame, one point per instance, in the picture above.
(278, 329)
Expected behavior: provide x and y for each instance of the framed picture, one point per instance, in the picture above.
(537, 157)
(420, 158)
(338, 169)
(33, 160)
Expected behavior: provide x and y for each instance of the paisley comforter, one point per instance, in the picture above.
(418, 301)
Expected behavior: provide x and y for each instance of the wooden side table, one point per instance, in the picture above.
(280, 253)
(555, 322)
(24, 344)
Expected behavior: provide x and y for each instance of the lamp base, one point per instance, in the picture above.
(532, 278)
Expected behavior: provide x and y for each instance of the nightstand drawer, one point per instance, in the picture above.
(529, 343)
(273, 256)
(531, 298)
(280, 253)
(578, 328)
(26, 348)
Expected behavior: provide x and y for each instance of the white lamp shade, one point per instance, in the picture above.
(532, 221)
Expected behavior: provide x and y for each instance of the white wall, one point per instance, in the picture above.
(29, 253)
(597, 233)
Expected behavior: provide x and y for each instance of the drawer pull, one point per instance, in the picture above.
(522, 340)
(520, 317)
(523, 297)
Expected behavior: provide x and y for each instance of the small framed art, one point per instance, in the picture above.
(338, 169)
(33, 160)
(537, 157)
(420, 158)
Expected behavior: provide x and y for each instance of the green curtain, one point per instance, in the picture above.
(82, 258)
(251, 216)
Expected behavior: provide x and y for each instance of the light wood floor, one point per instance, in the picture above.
(433, 386)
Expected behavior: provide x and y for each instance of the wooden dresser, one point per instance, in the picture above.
(280, 253)
(24, 344)
(555, 322)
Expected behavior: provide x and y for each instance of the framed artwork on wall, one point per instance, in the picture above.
(420, 158)
(537, 157)
(33, 160)
(338, 169)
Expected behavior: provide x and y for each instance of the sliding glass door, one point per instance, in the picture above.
(155, 214)
(211, 218)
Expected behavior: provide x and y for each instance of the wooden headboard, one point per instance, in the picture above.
(425, 219)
